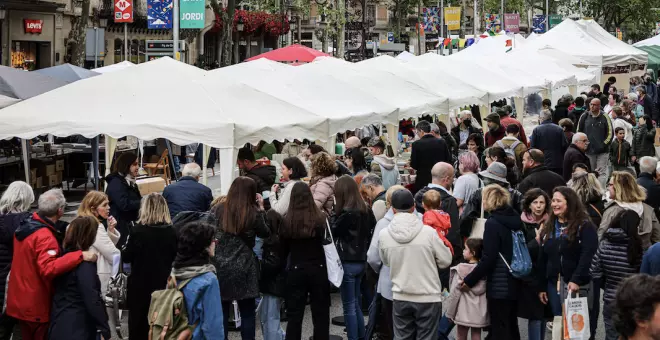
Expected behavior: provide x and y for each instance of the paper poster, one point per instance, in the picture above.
(159, 14)
(431, 19)
(538, 23)
(492, 22)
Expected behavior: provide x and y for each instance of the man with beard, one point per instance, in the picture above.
(537, 175)
(495, 129)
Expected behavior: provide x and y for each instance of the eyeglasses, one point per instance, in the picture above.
(585, 141)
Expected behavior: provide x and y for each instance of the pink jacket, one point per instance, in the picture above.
(467, 309)
(323, 191)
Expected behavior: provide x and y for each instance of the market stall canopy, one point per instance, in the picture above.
(157, 99)
(654, 56)
(343, 106)
(411, 99)
(405, 55)
(587, 40)
(7, 101)
(653, 41)
(292, 54)
(22, 85)
(67, 72)
(114, 67)
(250, 69)
(458, 92)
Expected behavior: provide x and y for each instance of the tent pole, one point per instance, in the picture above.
(171, 157)
(95, 161)
(26, 159)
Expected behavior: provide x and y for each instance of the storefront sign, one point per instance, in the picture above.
(616, 69)
(123, 10)
(159, 14)
(453, 18)
(512, 22)
(33, 26)
(192, 13)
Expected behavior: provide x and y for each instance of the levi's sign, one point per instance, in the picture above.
(33, 26)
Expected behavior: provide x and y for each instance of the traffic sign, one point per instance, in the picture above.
(123, 10)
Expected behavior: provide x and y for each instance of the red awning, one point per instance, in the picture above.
(292, 54)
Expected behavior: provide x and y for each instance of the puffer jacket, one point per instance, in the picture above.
(352, 231)
(323, 191)
(273, 278)
(643, 140)
(385, 167)
(611, 262)
(649, 227)
(469, 308)
(500, 284)
(264, 176)
(8, 225)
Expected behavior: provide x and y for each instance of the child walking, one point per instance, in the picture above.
(469, 309)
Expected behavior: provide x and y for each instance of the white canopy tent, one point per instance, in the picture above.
(458, 92)
(115, 67)
(405, 55)
(653, 41)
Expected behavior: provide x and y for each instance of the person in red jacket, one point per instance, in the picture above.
(37, 261)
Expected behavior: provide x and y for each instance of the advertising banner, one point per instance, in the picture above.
(492, 22)
(555, 19)
(159, 14)
(192, 13)
(123, 10)
(453, 18)
(538, 23)
(431, 19)
(512, 22)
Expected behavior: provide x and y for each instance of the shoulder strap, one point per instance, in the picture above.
(597, 211)
(500, 144)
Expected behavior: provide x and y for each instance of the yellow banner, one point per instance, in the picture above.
(453, 18)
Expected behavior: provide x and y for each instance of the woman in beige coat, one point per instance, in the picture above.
(323, 180)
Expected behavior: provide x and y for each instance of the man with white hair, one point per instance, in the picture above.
(464, 129)
(550, 138)
(647, 179)
(188, 194)
(576, 154)
(38, 259)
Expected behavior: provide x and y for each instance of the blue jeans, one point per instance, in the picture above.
(269, 316)
(352, 299)
(258, 246)
(536, 329)
(444, 327)
(554, 299)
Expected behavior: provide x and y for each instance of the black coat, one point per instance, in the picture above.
(542, 178)
(456, 132)
(570, 259)
(595, 210)
(78, 311)
(550, 138)
(8, 225)
(187, 195)
(150, 250)
(448, 204)
(124, 204)
(643, 142)
(472, 209)
(574, 156)
(264, 176)
(500, 284)
(646, 180)
(352, 231)
(273, 261)
(529, 304)
(426, 152)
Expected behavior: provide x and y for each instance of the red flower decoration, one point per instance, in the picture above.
(253, 21)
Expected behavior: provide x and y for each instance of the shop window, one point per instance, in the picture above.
(119, 50)
(142, 50)
(133, 55)
(30, 55)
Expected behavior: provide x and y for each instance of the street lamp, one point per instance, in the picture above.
(322, 24)
(103, 22)
(239, 26)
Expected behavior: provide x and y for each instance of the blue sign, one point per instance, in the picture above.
(538, 23)
(159, 14)
(390, 37)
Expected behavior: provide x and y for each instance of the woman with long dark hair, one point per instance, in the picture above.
(352, 230)
(301, 238)
(535, 207)
(355, 161)
(241, 218)
(569, 242)
(78, 311)
(293, 170)
(124, 194)
(619, 256)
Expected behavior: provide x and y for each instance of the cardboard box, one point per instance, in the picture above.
(52, 180)
(33, 174)
(39, 183)
(50, 170)
(59, 165)
(149, 185)
(59, 177)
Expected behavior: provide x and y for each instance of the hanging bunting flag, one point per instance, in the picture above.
(447, 41)
(461, 43)
(509, 43)
(454, 42)
(469, 42)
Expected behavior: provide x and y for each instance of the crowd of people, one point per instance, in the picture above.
(580, 194)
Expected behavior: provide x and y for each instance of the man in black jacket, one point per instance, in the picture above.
(426, 152)
(575, 154)
(264, 175)
(647, 177)
(538, 175)
(598, 127)
(550, 138)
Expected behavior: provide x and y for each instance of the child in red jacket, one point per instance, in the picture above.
(436, 218)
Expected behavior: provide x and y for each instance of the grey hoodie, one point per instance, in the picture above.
(414, 253)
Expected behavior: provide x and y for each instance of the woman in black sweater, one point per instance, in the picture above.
(301, 238)
(569, 242)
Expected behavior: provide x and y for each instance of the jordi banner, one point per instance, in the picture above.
(159, 14)
(192, 13)
(431, 19)
(492, 22)
(512, 22)
(453, 18)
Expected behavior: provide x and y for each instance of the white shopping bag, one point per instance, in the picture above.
(479, 225)
(332, 261)
(576, 311)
